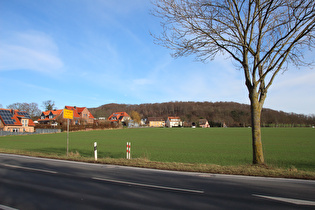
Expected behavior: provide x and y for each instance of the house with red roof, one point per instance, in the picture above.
(204, 123)
(81, 115)
(119, 117)
(16, 121)
(174, 122)
(51, 117)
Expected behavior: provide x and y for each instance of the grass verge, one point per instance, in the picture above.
(246, 170)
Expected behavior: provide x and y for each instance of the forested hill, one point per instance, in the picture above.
(230, 113)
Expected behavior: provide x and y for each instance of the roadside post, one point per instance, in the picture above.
(68, 122)
(95, 150)
(68, 114)
(128, 150)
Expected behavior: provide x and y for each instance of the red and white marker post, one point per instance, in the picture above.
(128, 150)
(95, 151)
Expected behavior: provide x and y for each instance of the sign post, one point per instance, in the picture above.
(95, 150)
(68, 114)
(68, 136)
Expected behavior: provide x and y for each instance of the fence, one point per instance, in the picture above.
(38, 131)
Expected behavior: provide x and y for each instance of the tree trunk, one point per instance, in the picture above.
(256, 108)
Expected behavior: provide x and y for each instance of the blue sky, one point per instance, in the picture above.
(90, 53)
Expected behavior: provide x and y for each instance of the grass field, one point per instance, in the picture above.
(283, 147)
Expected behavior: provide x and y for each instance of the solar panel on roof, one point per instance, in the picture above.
(25, 114)
(7, 117)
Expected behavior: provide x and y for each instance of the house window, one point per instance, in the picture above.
(42, 117)
(24, 123)
(51, 116)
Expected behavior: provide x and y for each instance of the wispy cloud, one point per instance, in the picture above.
(293, 92)
(102, 52)
(31, 50)
(182, 80)
(294, 78)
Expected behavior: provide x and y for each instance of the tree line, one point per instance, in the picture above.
(231, 114)
(217, 113)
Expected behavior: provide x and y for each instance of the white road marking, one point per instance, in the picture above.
(288, 200)
(6, 207)
(30, 169)
(242, 177)
(148, 185)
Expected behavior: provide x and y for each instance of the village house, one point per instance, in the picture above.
(156, 122)
(204, 123)
(119, 117)
(51, 117)
(81, 115)
(143, 122)
(174, 122)
(15, 121)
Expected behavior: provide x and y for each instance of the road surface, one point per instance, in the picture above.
(39, 183)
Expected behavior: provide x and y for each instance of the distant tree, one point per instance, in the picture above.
(31, 108)
(34, 110)
(17, 106)
(48, 105)
(261, 36)
(135, 116)
(0, 105)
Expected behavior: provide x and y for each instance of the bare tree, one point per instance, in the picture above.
(31, 108)
(262, 37)
(48, 105)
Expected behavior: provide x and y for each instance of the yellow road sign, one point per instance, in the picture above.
(68, 114)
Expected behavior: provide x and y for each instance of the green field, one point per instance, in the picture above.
(283, 147)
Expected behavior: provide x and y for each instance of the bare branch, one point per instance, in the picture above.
(261, 35)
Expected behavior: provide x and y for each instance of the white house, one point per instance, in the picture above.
(204, 123)
(173, 122)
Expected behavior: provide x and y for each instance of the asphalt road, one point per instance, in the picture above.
(37, 183)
